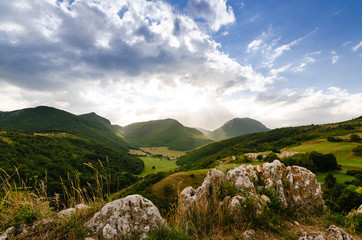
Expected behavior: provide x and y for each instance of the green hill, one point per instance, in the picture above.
(47, 119)
(165, 133)
(208, 156)
(236, 127)
(49, 157)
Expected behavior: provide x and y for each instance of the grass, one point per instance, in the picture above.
(164, 151)
(342, 151)
(161, 165)
(340, 176)
(180, 180)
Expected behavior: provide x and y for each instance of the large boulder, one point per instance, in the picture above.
(295, 186)
(132, 216)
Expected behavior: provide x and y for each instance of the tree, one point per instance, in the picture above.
(330, 180)
(259, 157)
(355, 138)
(153, 167)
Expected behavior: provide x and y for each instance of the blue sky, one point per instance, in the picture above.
(202, 62)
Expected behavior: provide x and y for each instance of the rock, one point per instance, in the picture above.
(312, 236)
(66, 212)
(81, 206)
(10, 230)
(213, 178)
(338, 233)
(354, 212)
(133, 216)
(69, 211)
(248, 234)
(295, 186)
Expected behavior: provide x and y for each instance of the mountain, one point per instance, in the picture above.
(164, 133)
(236, 127)
(276, 139)
(48, 119)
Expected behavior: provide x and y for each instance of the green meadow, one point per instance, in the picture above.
(161, 165)
(342, 151)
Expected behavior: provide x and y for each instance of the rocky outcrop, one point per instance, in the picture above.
(332, 233)
(355, 212)
(295, 186)
(338, 233)
(132, 216)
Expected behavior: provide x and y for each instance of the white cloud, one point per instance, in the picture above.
(293, 107)
(254, 45)
(335, 57)
(216, 13)
(355, 48)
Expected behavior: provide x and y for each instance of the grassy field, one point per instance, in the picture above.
(164, 151)
(137, 152)
(181, 180)
(341, 177)
(342, 151)
(161, 165)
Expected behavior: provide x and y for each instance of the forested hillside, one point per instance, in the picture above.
(49, 157)
(47, 119)
(166, 133)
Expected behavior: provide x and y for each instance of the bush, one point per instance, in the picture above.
(357, 151)
(334, 139)
(314, 161)
(271, 157)
(330, 180)
(259, 157)
(355, 138)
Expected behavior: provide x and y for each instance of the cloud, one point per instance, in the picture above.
(118, 41)
(355, 48)
(284, 108)
(254, 45)
(216, 13)
(335, 57)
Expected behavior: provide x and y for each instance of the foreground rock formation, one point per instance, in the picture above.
(133, 216)
(332, 233)
(295, 186)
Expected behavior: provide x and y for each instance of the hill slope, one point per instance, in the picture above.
(207, 156)
(237, 127)
(49, 157)
(48, 119)
(166, 133)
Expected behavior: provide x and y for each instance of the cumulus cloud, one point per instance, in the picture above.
(216, 13)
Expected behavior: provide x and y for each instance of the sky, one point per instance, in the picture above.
(202, 62)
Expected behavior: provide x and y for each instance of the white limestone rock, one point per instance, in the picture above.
(5, 235)
(312, 236)
(133, 215)
(295, 186)
(338, 233)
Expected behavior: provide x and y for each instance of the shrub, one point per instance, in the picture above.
(330, 180)
(357, 150)
(271, 157)
(334, 139)
(259, 157)
(354, 138)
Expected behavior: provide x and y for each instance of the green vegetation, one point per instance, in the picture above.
(164, 151)
(49, 120)
(165, 133)
(342, 151)
(340, 176)
(343, 197)
(236, 127)
(160, 164)
(209, 155)
(49, 158)
(314, 161)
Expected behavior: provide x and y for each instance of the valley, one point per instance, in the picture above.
(78, 155)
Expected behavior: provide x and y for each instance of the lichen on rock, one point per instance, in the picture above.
(132, 216)
(295, 186)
